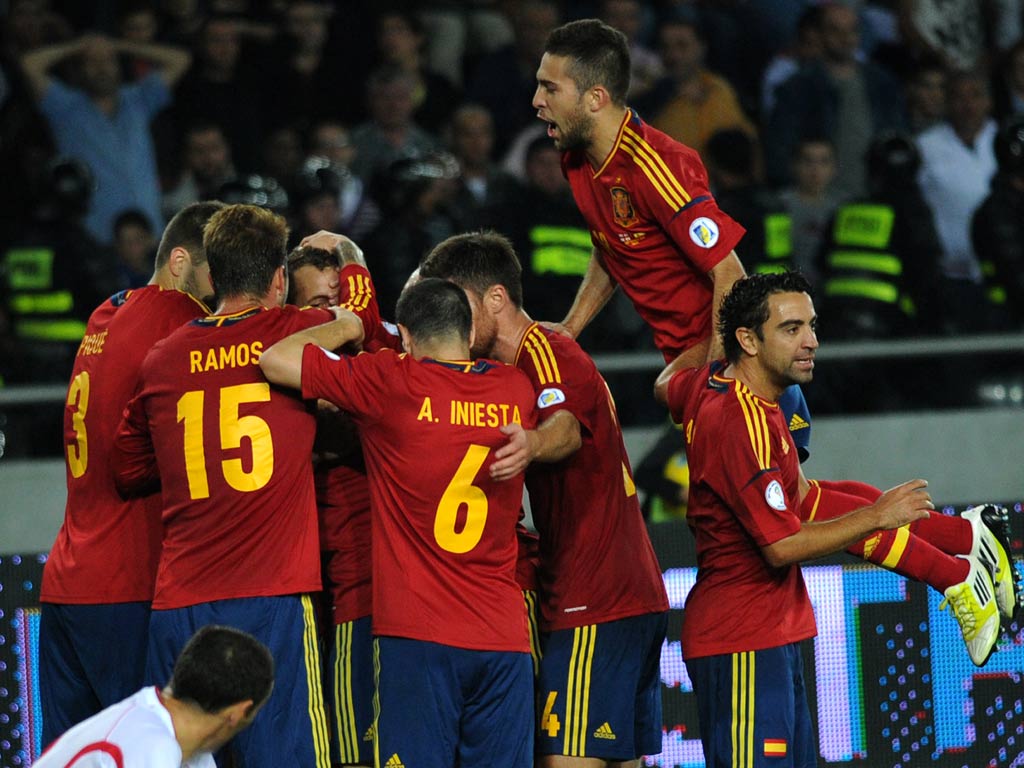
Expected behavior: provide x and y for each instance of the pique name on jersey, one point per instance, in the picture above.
(468, 413)
(92, 343)
(220, 358)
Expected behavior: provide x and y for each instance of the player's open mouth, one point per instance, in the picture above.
(805, 362)
(552, 130)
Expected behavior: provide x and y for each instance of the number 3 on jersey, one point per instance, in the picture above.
(461, 491)
(78, 451)
(232, 429)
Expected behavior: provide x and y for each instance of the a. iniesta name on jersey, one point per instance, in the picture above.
(468, 413)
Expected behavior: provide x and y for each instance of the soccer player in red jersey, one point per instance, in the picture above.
(232, 456)
(603, 602)
(98, 580)
(749, 608)
(454, 678)
(343, 506)
(656, 229)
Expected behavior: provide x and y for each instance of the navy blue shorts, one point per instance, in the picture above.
(291, 729)
(753, 709)
(599, 690)
(90, 656)
(349, 681)
(439, 706)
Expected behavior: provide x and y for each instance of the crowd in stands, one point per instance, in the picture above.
(855, 141)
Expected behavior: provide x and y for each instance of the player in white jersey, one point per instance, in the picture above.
(221, 679)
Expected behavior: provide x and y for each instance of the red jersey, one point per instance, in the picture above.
(657, 229)
(107, 548)
(744, 494)
(358, 295)
(596, 559)
(444, 533)
(233, 455)
(343, 504)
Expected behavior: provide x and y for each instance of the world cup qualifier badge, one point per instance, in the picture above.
(622, 208)
(704, 232)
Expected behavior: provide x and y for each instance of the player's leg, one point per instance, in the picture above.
(350, 693)
(65, 692)
(418, 703)
(597, 693)
(291, 728)
(497, 717)
(752, 708)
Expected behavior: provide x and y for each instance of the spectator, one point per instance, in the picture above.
(135, 248)
(282, 156)
(951, 30)
(303, 74)
(926, 95)
(105, 124)
(839, 98)
(998, 230)
(54, 274)
(627, 16)
(137, 23)
(315, 200)
(457, 32)
(390, 134)
(880, 263)
(416, 200)
(1010, 83)
(810, 203)
(504, 81)
(208, 167)
(358, 212)
(957, 166)
(400, 43)
(690, 103)
(485, 191)
(805, 49)
(220, 89)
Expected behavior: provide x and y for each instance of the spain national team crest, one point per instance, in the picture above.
(622, 207)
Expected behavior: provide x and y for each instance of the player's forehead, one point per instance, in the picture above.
(554, 69)
(790, 306)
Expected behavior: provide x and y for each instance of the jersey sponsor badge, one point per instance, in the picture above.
(622, 208)
(550, 396)
(774, 496)
(329, 354)
(704, 232)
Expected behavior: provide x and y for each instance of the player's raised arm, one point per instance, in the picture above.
(723, 275)
(594, 292)
(281, 363)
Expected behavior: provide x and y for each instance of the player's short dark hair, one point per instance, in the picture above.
(746, 305)
(221, 666)
(434, 309)
(308, 256)
(598, 54)
(476, 261)
(245, 245)
(185, 230)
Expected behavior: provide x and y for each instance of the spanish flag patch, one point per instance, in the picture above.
(774, 747)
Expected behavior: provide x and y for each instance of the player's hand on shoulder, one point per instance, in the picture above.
(904, 504)
(559, 328)
(513, 457)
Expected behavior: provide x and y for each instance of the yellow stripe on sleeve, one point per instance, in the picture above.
(657, 160)
(899, 546)
(758, 436)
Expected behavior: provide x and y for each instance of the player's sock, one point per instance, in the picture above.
(950, 533)
(900, 550)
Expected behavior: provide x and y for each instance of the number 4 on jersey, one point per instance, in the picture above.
(548, 719)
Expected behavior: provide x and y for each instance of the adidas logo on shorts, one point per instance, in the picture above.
(604, 731)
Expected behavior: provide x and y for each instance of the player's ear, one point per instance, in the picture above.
(748, 339)
(179, 261)
(495, 298)
(598, 98)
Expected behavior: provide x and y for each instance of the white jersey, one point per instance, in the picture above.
(134, 733)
